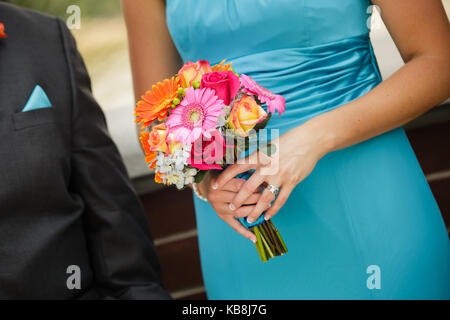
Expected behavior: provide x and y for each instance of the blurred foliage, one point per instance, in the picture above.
(89, 8)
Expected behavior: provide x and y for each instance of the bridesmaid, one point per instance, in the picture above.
(354, 207)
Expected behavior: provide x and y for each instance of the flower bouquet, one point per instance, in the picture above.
(203, 119)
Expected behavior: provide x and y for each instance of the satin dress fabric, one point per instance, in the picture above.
(364, 224)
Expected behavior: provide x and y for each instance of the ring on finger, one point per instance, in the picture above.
(273, 189)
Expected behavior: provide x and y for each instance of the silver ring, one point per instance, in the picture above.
(273, 189)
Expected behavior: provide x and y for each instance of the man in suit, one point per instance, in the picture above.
(71, 225)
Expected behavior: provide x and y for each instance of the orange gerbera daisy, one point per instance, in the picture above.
(150, 156)
(155, 103)
(221, 66)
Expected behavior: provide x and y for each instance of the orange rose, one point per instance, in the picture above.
(159, 177)
(150, 156)
(157, 138)
(193, 71)
(246, 113)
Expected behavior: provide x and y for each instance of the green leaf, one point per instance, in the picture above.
(262, 124)
(200, 175)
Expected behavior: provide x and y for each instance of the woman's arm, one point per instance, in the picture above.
(152, 52)
(421, 31)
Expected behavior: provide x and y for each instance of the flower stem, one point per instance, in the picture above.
(273, 238)
(259, 245)
(269, 243)
(278, 236)
(266, 242)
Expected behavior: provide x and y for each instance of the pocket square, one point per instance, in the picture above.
(37, 100)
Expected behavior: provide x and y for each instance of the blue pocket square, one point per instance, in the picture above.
(37, 100)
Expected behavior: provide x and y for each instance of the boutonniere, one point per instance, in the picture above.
(2, 31)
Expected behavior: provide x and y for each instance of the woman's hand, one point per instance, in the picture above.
(220, 198)
(297, 152)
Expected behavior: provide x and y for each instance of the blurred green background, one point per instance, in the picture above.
(89, 8)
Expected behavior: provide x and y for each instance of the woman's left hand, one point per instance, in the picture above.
(296, 155)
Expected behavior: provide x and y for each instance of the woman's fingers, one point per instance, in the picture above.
(239, 228)
(233, 185)
(280, 200)
(252, 199)
(229, 173)
(229, 190)
(227, 196)
(248, 188)
(243, 211)
(252, 161)
(262, 205)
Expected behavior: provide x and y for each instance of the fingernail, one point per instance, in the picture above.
(250, 220)
(267, 217)
(231, 206)
(215, 185)
(253, 240)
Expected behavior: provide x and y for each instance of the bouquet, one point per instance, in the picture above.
(204, 118)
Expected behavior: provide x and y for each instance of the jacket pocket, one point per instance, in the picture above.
(33, 118)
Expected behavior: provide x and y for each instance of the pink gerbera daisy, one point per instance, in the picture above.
(196, 115)
(273, 101)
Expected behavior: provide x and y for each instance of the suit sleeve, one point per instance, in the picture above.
(120, 245)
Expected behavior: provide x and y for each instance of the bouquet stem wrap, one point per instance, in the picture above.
(269, 243)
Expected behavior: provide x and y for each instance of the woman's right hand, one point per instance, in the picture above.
(220, 200)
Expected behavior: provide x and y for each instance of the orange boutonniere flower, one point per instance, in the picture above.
(2, 31)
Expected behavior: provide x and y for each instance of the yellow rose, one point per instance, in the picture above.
(157, 138)
(246, 113)
(193, 71)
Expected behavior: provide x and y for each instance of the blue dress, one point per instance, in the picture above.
(364, 224)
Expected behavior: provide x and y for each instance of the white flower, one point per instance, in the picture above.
(180, 158)
(192, 172)
(174, 167)
(222, 118)
(163, 163)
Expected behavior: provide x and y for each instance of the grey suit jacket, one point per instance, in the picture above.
(65, 198)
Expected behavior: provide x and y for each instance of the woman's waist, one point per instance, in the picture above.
(304, 102)
(308, 66)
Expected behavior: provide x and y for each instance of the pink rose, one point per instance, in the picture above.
(225, 83)
(206, 153)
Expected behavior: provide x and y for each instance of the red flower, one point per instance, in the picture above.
(2, 31)
(225, 83)
(205, 153)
